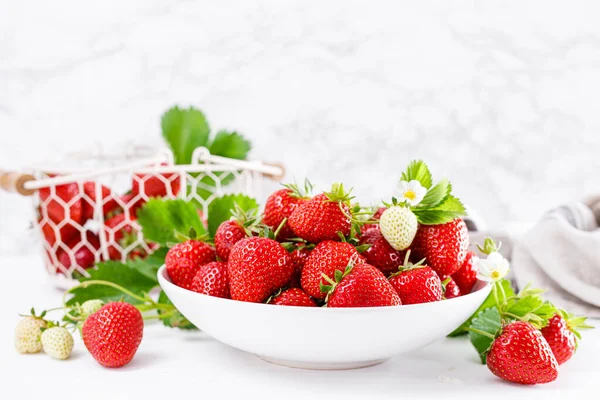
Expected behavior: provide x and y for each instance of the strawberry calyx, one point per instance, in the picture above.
(248, 220)
(300, 193)
(489, 246)
(332, 283)
(407, 265)
(574, 323)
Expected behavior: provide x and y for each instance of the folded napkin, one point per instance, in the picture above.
(562, 255)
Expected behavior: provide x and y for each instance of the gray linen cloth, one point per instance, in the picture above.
(560, 254)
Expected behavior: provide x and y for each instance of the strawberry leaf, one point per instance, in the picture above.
(418, 170)
(169, 221)
(184, 130)
(436, 194)
(229, 144)
(448, 210)
(176, 320)
(489, 322)
(221, 209)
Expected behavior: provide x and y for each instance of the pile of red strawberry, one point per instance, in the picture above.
(68, 207)
(318, 252)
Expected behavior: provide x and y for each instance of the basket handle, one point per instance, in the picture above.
(14, 182)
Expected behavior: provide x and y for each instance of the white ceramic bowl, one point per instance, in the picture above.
(323, 338)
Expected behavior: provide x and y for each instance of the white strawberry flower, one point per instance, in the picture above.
(493, 268)
(411, 192)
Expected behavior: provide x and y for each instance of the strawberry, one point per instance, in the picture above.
(53, 234)
(90, 306)
(520, 354)
(120, 233)
(257, 267)
(113, 334)
(451, 289)
(324, 217)
(416, 283)
(108, 201)
(561, 334)
(28, 334)
(466, 276)
(211, 279)
(279, 206)
(227, 234)
(131, 202)
(183, 261)
(326, 258)
(57, 342)
(444, 246)
(398, 225)
(156, 184)
(380, 254)
(85, 255)
(292, 297)
(299, 256)
(361, 285)
(65, 203)
(375, 217)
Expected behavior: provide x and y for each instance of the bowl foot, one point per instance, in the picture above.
(322, 366)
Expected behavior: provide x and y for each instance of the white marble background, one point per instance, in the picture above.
(501, 97)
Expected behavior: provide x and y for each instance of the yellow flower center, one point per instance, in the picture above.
(495, 275)
(409, 194)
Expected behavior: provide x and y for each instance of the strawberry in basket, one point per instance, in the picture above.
(156, 184)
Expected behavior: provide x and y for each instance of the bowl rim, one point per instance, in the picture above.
(164, 279)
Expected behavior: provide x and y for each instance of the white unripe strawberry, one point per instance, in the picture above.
(91, 306)
(28, 333)
(398, 225)
(57, 342)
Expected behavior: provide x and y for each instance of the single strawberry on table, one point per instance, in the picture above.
(416, 283)
(561, 333)
(280, 205)
(380, 254)
(28, 333)
(326, 258)
(324, 217)
(443, 246)
(520, 354)
(292, 297)
(211, 279)
(257, 267)
(360, 285)
(113, 334)
(466, 276)
(184, 260)
(57, 342)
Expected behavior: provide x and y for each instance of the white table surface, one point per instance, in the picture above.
(172, 363)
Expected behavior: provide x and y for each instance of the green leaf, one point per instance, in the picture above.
(490, 301)
(488, 321)
(436, 194)
(418, 170)
(230, 144)
(184, 130)
(166, 221)
(221, 208)
(177, 320)
(150, 265)
(121, 274)
(445, 212)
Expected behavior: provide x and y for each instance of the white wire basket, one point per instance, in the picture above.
(86, 213)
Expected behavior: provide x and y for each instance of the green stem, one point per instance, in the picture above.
(161, 316)
(495, 292)
(120, 288)
(486, 334)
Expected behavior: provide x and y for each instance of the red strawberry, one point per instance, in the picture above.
(292, 297)
(326, 258)
(451, 289)
(257, 267)
(156, 184)
(323, 217)
(416, 283)
(561, 334)
(89, 201)
(381, 255)
(466, 276)
(228, 233)
(299, 256)
(280, 206)
(120, 233)
(52, 234)
(65, 203)
(211, 279)
(85, 255)
(443, 246)
(376, 216)
(521, 355)
(183, 261)
(113, 334)
(361, 285)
